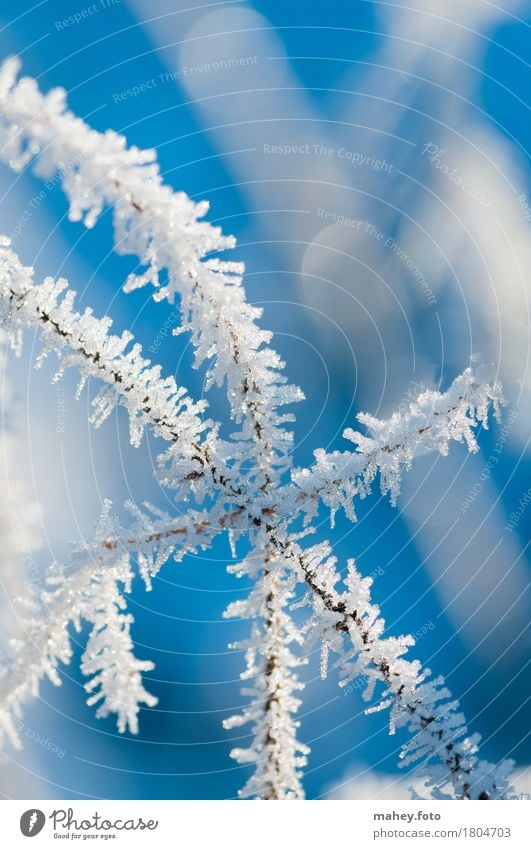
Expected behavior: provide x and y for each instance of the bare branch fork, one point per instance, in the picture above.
(244, 485)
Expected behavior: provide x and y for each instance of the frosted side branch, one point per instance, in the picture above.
(165, 230)
(84, 342)
(91, 593)
(271, 670)
(349, 624)
(431, 423)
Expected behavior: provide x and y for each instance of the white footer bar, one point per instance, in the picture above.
(261, 825)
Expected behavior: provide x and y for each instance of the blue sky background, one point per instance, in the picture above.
(355, 328)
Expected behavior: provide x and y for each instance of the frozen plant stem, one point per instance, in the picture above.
(243, 484)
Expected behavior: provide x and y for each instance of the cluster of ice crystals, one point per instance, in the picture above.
(275, 752)
(97, 170)
(350, 624)
(431, 423)
(243, 477)
(91, 592)
(166, 231)
(92, 588)
(116, 679)
(84, 342)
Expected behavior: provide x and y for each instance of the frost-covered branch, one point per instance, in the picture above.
(244, 477)
(430, 423)
(275, 752)
(89, 591)
(108, 660)
(84, 342)
(349, 624)
(164, 229)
